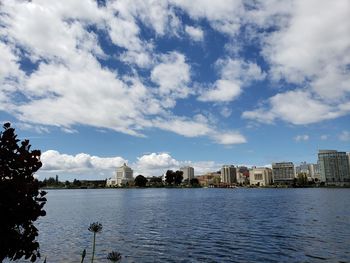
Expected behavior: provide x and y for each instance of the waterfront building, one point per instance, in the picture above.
(228, 175)
(242, 175)
(260, 176)
(209, 179)
(311, 170)
(334, 167)
(283, 172)
(122, 176)
(188, 173)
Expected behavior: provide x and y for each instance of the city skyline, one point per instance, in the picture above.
(164, 84)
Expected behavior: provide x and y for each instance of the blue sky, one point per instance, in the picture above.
(161, 84)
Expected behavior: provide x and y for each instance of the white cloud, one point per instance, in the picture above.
(222, 91)
(71, 87)
(223, 15)
(344, 136)
(81, 164)
(229, 138)
(324, 137)
(297, 107)
(300, 138)
(309, 49)
(234, 75)
(172, 76)
(196, 33)
(85, 166)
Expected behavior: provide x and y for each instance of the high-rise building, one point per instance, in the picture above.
(334, 167)
(188, 172)
(283, 173)
(228, 174)
(123, 175)
(260, 176)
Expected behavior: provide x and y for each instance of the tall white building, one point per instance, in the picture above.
(122, 176)
(228, 174)
(188, 172)
(260, 176)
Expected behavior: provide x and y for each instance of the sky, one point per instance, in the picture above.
(160, 84)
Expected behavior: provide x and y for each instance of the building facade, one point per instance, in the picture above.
(123, 176)
(260, 176)
(209, 179)
(334, 167)
(310, 169)
(283, 173)
(228, 175)
(188, 172)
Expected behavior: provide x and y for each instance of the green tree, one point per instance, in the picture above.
(21, 202)
(302, 179)
(178, 176)
(140, 181)
(169, 177)
(194, 182)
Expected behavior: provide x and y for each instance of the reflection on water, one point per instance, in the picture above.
(199, 225)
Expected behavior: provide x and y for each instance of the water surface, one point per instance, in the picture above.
(199, 225)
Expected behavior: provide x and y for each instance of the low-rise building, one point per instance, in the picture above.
(260, 176)
(283, 173)
(209, 179)
(122, 176)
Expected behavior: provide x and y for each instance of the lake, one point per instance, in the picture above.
(199, 225)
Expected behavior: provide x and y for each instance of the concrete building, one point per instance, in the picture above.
(260, 176)
(188, 173)
(283, 173)
(123, 175)
(228, 175)
(334, 167)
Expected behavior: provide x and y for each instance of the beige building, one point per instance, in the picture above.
(123, 175)
(260, 176)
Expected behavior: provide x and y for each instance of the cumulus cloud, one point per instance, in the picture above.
(223, 15)
(70, 84)
(234, 75)
(94, 167)
(195, 33)
(310, 49)
(297, 107)
(81, 164)
(172, 76)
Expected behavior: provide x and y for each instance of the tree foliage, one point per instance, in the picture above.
(21, 202)
(172, 177)
(140, 181)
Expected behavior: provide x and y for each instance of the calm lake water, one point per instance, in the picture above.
(199, 225)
